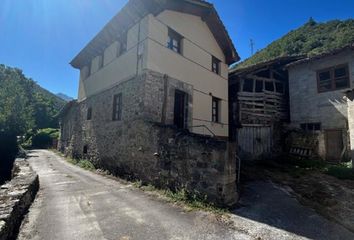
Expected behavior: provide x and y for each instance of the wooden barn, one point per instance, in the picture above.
(259, 105)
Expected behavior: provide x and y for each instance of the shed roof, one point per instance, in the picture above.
(322, 55)
(276, 61)
(135, 10)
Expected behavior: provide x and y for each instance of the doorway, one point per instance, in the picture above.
(334, 145)
(181, 109)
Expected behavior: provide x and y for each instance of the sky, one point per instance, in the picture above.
(41, 37)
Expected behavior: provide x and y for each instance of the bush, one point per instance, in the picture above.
(343, 171)
(44, 138)
(8, 152)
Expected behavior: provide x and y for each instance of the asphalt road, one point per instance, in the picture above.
(76, 204)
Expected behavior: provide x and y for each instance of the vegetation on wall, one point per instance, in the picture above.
(310, 39)
(24, 107)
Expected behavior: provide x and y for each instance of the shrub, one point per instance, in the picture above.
(8, 152)
(343, 171)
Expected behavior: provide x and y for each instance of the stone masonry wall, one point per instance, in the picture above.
(144, 145)
(16, 197)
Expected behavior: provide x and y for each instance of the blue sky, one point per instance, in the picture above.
(42, 36)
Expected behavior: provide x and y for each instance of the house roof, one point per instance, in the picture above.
(276, 61)
(322, 55)
(135, 10)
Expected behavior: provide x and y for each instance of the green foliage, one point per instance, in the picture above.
(43, 138)
(82, 163)
(24, 105)
(342, 171)
(310, 39)
(8, 151)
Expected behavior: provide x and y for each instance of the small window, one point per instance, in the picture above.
(123, 40)
(117, 107)
(215, 67)
(100, 62)
(89, 113)
(310, 127)
(174, 41)
(216, 109)
(334, 78)
(85, 149)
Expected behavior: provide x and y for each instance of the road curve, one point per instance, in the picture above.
(76, 204)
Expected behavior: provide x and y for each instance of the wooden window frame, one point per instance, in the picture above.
(173, 35)
(215, 116)
(117, 107)
(217, 63)
(331, 71)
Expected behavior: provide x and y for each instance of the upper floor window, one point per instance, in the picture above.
(215, 65)
(117, 107)
(123, 40)
(333, 78)
(89, 113)
(216, 109)
(100, 62)
(174, 41)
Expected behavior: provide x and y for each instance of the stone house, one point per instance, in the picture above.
(153, 98)
(318, 105)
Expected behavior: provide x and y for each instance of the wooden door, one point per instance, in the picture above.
(334, 145)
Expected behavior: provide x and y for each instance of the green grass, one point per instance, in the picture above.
(343, 171)
(82, 163)
(193, 201)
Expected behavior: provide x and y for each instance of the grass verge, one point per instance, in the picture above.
(191, 201)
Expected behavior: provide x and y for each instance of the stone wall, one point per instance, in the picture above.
(16, 197)
(144, 145)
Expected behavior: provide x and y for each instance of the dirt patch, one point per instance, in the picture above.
(329, 196)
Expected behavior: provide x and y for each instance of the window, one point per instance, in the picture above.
(174, 41)
(216, 109)
(85, 149)
(248, 85)
(180, 109)
(123, 39)
(308, 127)
(215, 66)
(89, 113)
(117, 107)
(100, 62)
(334, 78)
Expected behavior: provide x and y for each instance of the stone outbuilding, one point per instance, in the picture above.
(318, 105)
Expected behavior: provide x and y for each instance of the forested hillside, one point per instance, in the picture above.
(24, 106)
(310, 39)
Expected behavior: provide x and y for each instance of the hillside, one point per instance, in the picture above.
(64, 97)
(310, 39)
(24, 105)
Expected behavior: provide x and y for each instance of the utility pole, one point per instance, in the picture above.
(252, 43)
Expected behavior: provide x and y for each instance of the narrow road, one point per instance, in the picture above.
(76, 204)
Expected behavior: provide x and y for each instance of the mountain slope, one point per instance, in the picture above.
(24, 105)
(310, 39)
(64, 97)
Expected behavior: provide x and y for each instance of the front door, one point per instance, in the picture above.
(334, 145)
(180, 109)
